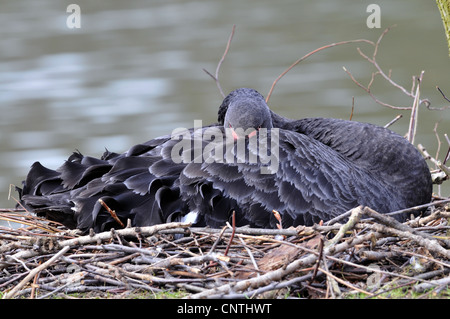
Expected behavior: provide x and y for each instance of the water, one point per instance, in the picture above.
(133, 71)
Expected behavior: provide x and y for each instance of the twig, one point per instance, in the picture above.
(397, 212)
(393, 121)
(249, 252)
(252, 231)
(279, 273)
(278, 218)
(13, 292)
(437, 138)
(368, 90)
(233, 227)
(146, 231)
(316, 268)
(431, 284)
(390, 222)
(380, 70)
(445, 98)
(216, 76)
(333, 277)
(34, 285)
(387, 77)
(442, 93)
(441, 166)
(213, 247)
(415, 112)
(447, 156)
(445, 264)
(159, 263)
(308, 55)
(353, 108)
(111, 212)
(397, 229)
(355, 215)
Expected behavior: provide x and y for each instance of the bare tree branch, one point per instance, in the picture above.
(308, 55)
(216, 76)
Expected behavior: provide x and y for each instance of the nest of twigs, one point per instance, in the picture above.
(368, 255)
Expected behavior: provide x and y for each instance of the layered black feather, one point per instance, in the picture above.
(308, 170)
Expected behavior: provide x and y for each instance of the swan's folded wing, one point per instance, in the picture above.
(302, 179)
(387, 155)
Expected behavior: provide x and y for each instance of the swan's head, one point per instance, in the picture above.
(245, 111)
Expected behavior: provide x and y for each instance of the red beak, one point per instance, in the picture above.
(236, 136)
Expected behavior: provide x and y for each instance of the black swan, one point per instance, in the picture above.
(251, 162)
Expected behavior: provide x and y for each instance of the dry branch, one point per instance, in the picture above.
(144, 231)
(240, 262)
(216, 76)
(111, 212)
(444, 172)
(308, 55)
(34, 272)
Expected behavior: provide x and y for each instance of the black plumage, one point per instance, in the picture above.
(252, 162)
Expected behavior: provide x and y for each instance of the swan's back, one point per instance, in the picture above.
(389, 156)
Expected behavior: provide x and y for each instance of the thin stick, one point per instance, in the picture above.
(111, 212)
(438, 139)
(397, 212)
(353, 108)
(345, 283)
(249, 252)
(414, 112)
(447, 157)
(368, 90)
(216, 76)
(440, 108)
(387, 77)
(277, 217)
(34, 285)
(443, 95)
(213, 247)
(232, 233)
(396, 228)
(319, 259)
(427, 156)
(146, 231)
(393, 121)
(308, 55)
(355, 215)
(433, 283)
(13, 292)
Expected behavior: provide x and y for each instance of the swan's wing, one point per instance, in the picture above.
(389, 156)
(302, 179)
